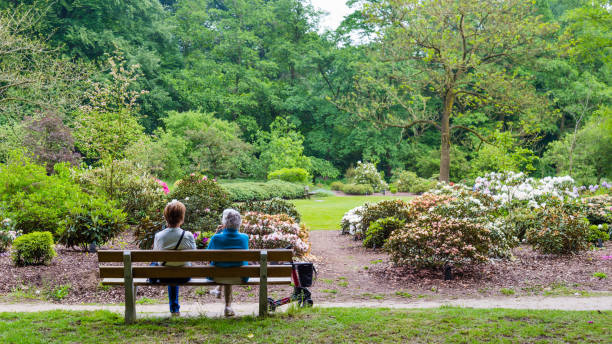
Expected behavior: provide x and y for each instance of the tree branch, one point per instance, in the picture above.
(471, 131)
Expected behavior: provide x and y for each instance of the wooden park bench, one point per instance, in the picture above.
(267, 272)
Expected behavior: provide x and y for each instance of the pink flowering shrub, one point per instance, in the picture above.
(433, 240)
(163, 185)
(424, 203)
(275, 231)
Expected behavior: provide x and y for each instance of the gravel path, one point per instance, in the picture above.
(216, 309)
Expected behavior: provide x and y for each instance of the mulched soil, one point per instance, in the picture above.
(347, 272)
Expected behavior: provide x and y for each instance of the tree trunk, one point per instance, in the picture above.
(449, 99)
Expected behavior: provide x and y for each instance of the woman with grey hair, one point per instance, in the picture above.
(229, 239)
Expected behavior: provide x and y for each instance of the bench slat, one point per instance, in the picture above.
(194, 271)
(276, 255)
(197, 281)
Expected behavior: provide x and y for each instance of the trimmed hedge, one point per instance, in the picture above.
(33, 249)
(257, 191)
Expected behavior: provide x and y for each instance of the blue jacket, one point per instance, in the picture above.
(229, 239)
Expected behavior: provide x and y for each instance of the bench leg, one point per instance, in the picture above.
(130, 289)
(263, 284)
(130, 304)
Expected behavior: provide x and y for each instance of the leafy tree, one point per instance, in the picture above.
(50, 141)
(463, 52)
(282, 147)
(195, 142)
(592, 147)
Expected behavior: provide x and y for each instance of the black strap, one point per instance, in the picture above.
(179, 242)
(177, 245)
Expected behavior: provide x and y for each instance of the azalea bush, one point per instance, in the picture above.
(433, 240)
(367, 174)
(563, 228)
(598, 209)
(275, 231)
(598, 232)
(351, 221)
(96, 221)
(509, 187)
(383, 209)
(205, 201)
(7, 234)
(202, 239)
(380, 230)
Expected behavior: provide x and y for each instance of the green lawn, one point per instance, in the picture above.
(326, 212)
(319, 325)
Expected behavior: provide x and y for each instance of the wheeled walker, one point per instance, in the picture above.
(302, 276)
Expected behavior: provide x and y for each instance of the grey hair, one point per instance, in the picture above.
(231, 219)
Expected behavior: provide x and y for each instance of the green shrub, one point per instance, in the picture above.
(393, 188)
(204, 199)
(357, 189)
(136, 191)
(380, 230)
(256, 191)
(323, 168)
(408, 181)
(292, 175)
(33, 249)
(95, 222)
(272, 207)
(336, 186)
(202, 239)
(432, 240)
(386, 208)
(597, 232)
(33, 200)
(563, 229)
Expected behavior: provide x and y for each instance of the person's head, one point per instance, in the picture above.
(231, 219)
(174, 213)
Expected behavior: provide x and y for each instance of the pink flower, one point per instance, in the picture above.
(193, 174)
(205, 178)
(207, 210)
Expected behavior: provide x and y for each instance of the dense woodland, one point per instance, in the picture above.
(240, 88)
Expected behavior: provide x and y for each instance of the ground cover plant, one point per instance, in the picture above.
(318, 325)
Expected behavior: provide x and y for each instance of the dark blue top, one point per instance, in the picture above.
(229, 239)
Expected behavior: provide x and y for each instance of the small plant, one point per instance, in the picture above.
(327, 281)
(330, 291)
(201, 291)
(146, 301)
(343, 284)
(507, 291)
(33, 249)
(403, 294)
(58, 293)
(600, 275)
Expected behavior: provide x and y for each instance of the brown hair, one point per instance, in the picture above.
(174, 213)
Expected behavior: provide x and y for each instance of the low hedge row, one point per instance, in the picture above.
(257, 191)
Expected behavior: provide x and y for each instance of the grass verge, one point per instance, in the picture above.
(326, 212)
(318, 325)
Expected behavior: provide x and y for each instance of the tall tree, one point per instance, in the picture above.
(463, 54)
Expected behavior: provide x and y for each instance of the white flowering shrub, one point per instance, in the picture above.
(512, 187)
(8, 234)
(367, 174)
(351, 221)
(275, 231)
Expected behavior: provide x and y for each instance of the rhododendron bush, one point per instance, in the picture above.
(433, 240)
(275, 231)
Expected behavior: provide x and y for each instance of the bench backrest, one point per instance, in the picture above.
(194, 256)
